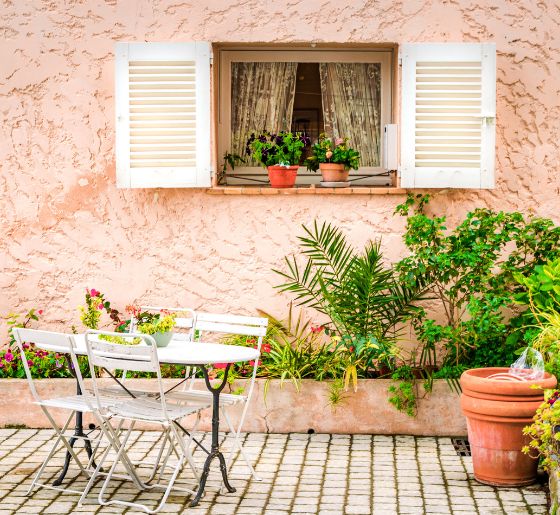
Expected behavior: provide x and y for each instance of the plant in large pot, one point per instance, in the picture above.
(334, 158)
(280, 154)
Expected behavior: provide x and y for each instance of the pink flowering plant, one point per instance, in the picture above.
(336, 151)
(42, 364)
(90, 314)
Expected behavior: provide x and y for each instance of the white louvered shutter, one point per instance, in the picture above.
(448, 115)
(163, 115)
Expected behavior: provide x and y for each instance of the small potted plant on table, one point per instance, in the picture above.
(335, 158)
(280, 154)
(158, 325)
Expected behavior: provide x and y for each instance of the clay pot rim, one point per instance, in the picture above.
(333, 165)
(284, 168)
(475, 379)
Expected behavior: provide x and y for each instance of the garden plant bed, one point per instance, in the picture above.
(366, 411)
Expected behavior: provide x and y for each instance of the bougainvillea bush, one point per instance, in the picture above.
(41, 363)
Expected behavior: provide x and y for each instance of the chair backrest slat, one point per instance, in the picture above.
(61, 343)
(227, 328)
(46, 340)
(231, 324)
(141, 357)
(138, 358)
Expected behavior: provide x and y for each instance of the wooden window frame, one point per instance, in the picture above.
(225, 54)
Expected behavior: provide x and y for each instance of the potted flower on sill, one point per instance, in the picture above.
(335, 159)
(158, 325)
(280, 154)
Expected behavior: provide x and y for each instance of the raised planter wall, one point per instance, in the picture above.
(284, 411)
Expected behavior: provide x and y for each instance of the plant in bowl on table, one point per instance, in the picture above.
(158, 325)
(334, 157)
(280, 153)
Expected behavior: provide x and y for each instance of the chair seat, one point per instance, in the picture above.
(74, 403)
(204, 396)
(117, 391)
(149, 410)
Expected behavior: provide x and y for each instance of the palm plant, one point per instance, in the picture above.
(354, 289)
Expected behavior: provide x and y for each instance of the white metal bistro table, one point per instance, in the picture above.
(203, 355)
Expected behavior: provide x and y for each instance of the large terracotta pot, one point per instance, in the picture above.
(282, 176)
(333, 172)
(496, 412)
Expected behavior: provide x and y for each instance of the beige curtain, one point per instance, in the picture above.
(262, 98)
(351, 95)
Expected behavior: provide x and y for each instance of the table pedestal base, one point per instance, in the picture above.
(215, 449)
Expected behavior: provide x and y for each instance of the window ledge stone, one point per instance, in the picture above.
(305, 190)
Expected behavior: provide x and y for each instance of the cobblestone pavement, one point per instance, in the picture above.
(307, 474)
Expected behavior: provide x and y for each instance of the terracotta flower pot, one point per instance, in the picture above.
(496, 412)
(333, 172)
(282, 176)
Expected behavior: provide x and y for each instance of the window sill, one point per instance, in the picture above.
(305, 190)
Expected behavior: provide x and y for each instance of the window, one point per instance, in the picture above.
(345, 93)
(445, 122)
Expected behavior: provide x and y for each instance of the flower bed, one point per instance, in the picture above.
(284, 410)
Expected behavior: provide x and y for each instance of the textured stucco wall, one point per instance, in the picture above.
(65, 226)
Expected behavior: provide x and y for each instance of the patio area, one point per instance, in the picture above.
(313, 474)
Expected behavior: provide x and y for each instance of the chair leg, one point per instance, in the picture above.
(50, 455)
(120, 452)
(180, 463)
(234, 435)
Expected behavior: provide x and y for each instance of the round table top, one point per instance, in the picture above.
(180, 352)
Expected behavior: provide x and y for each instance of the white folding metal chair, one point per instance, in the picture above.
(139, 358)
(205, 323)
(63, 344)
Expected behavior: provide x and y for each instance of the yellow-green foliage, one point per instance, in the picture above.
(159, 325)
(544, 439)
(120, 339)
(90, 314)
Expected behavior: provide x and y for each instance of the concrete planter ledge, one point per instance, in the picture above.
(284, 410)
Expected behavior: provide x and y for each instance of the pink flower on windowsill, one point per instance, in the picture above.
(9, 357)
(94, 292)
(220, 366)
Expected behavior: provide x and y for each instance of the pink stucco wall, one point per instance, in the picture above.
(66, 226)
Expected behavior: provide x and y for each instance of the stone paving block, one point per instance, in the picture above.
(315, 474)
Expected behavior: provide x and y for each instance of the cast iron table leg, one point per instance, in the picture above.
(78, 432)
(215, 448)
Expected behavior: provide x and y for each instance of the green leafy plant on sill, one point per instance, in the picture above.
(230, 160)
(282, 149)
